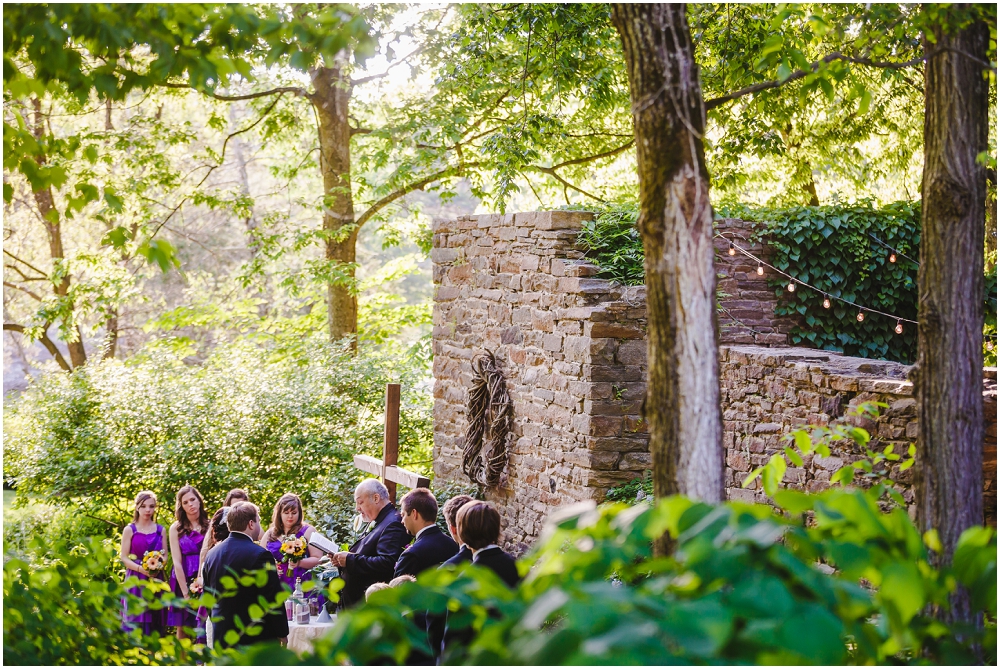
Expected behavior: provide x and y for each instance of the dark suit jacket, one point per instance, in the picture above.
(430, 549)
(502, 564)
(373, 557)
(464, 555)
(236, 555)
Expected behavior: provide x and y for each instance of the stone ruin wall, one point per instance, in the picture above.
(573, 350)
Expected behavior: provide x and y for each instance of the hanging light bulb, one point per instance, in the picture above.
(861, 316)
(826, 302)
(989, 344)
(892, 257)
(760, 269)
(732, 249)
(899, 327)
(791, 286)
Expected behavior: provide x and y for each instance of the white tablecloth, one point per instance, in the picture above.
(300, 636)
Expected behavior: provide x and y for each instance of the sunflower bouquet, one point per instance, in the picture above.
(293, 548)
(153, 561)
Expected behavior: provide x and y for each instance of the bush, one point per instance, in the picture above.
(266, 420)
(744, 585)
(23, 526)
(67, 611)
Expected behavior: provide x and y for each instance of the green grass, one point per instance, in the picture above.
(8, 499)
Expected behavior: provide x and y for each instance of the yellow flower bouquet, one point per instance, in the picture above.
(293, 548)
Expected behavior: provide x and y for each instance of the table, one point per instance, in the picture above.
(300, 636)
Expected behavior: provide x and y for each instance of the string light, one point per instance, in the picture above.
(827, 298)
(892, 257)
(899, 327)
(989, 344)
(760, 270)
(732, 249)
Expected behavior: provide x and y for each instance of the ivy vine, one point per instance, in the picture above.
(841, 250)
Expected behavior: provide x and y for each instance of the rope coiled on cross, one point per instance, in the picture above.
(491, 417)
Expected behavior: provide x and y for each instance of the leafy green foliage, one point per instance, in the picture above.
(270, 420)
(832, 249)
(612, 241)
(67, 611)
(744, 585)
(635, 491)
(818, 439)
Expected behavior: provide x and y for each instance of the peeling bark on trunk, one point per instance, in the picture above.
(949, 369)
(45, 202)
(331, 100)
(675, 220)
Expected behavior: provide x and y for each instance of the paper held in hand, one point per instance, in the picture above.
(322, 543)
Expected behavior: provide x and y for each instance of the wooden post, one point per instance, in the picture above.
(386, 469)
(390, 439)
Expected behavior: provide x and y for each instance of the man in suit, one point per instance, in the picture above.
(234, 556)
(450, 510)
(431, 546)
(372, 558)
(479, 529)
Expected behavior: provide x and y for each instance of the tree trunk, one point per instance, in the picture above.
(331, 100)
(675, 220)
(45, 202)
(949, 370)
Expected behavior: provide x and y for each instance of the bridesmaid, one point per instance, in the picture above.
(235, 495)
(140, 536)
(187, 535)
(287, 519)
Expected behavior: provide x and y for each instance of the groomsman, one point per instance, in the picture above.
(431, 546)
(450, 511)
(371, 558)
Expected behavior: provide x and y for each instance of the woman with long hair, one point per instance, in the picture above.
(287, 520)
(187, 535)
(141, 540)
(233, 496)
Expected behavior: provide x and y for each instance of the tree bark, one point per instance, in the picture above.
(45, 202)
(675, 220)
(949, 370)
(331, 99)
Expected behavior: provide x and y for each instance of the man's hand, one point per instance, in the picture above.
(338, 559)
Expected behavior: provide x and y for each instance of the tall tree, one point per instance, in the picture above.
(949, 367)
(675, 220)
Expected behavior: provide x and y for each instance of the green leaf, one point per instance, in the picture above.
(256, 612)
(866, 101)
(115, 203)
(793, 456)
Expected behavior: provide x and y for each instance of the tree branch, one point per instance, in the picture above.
(373, 77)
(26, 264)
(555, 175)
(23, 290)
(607, 154)
(409, 188)
(46, 342)
(295, 90)
(799, 74)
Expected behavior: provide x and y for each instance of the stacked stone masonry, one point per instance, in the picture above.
(573, 350)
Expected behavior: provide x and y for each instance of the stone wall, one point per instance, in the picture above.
(573, 350)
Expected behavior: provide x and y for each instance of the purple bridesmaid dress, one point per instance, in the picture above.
(287, 575)
(179, 615)
(148, 621)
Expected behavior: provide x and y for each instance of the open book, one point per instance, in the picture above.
(322, 543)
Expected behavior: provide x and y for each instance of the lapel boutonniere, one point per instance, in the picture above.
(360, 528)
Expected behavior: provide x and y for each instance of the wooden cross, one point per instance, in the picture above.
(387, 469)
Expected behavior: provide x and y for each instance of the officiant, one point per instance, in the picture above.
(373, 557)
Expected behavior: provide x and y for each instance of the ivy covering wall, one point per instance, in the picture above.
(842, 251)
